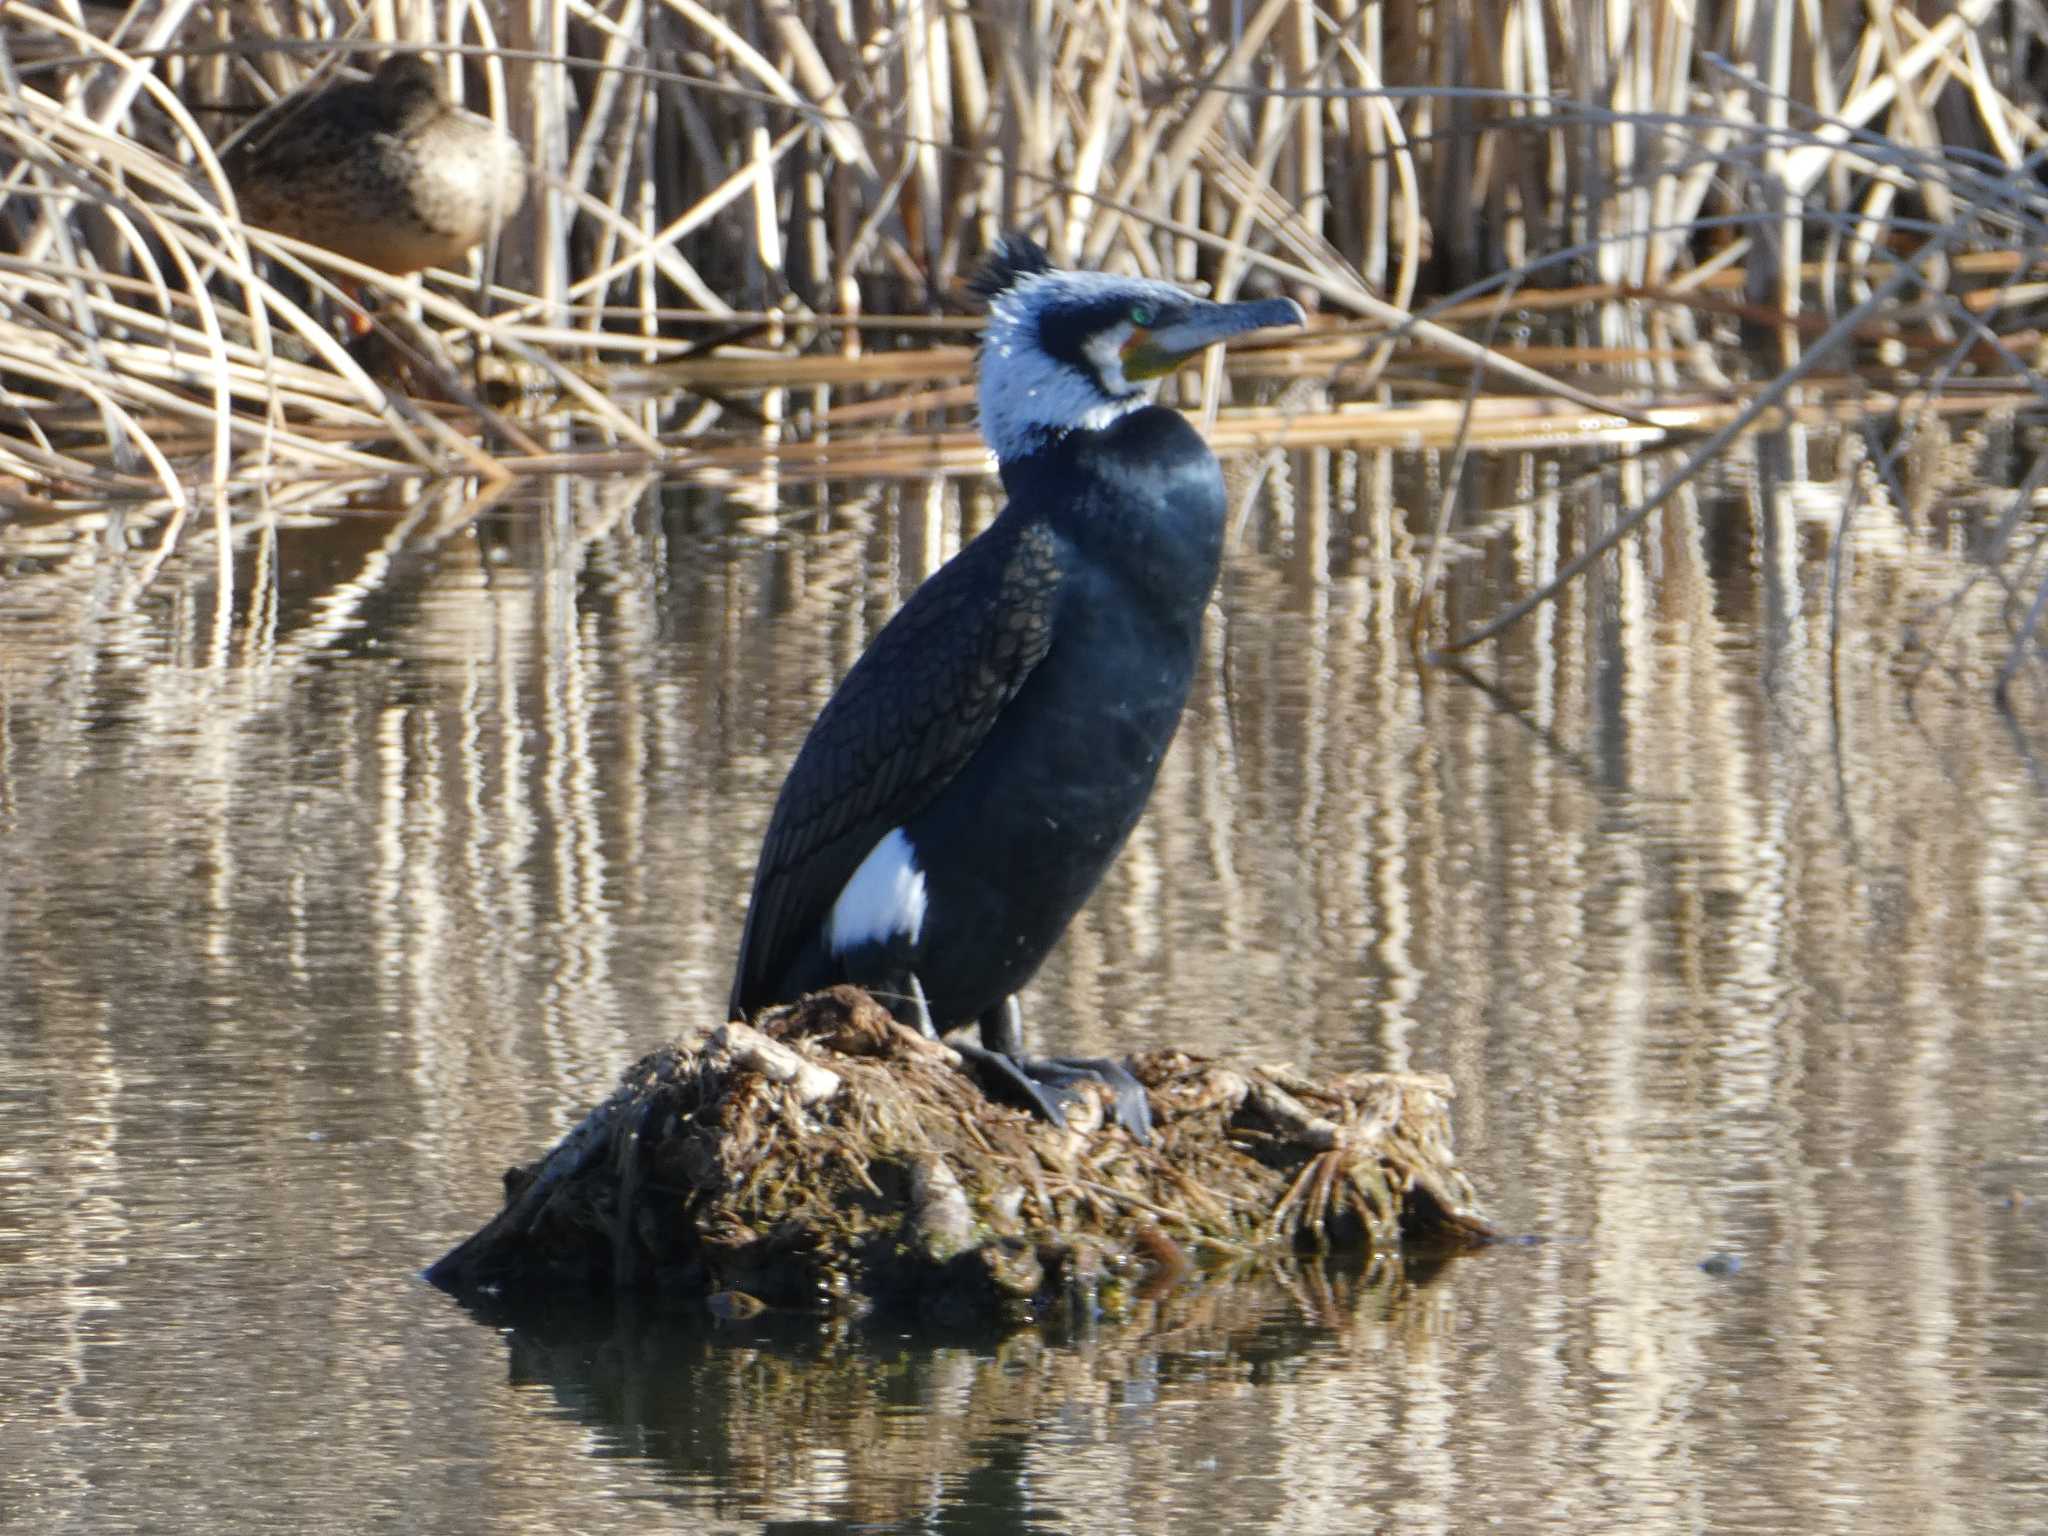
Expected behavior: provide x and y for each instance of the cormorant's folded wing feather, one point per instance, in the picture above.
(901, 724)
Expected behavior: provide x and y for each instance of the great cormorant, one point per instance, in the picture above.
(973, 776)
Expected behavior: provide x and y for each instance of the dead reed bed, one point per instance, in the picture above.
(742, 250)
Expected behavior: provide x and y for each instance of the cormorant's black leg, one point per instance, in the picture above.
(1001, 1075)
(1002, 1028)
(1002, 1034)
(925, 1026)
(1044, 1087)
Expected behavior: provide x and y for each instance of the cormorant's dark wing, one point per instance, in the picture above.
(901, 724)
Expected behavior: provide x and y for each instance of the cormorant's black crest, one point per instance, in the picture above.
(1015, 258)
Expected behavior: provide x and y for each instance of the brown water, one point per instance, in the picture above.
(319, 911)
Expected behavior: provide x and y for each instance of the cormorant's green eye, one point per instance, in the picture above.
(1143, 314)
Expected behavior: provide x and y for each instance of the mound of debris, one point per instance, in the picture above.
(829, 1158)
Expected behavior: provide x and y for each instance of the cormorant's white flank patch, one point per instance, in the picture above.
(884, 899)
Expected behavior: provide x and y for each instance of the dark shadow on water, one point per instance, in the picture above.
(806, 1422)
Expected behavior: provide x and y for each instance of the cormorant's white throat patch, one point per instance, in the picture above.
(884, 900)
(1028, 395)
(1105, 350)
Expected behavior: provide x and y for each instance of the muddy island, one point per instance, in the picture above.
(827, 1158)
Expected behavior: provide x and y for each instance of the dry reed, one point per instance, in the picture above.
(1635, 204)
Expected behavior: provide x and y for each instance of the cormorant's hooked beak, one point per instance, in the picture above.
(1151, 354)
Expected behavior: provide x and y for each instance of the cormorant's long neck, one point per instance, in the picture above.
(1141, 497)
(1025, 462)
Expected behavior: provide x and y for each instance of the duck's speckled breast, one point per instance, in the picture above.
(395, 199)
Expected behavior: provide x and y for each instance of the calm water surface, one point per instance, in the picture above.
(319, 909)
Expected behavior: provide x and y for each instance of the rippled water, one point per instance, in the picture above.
(320, 911)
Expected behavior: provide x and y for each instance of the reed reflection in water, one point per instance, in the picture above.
(320, 910)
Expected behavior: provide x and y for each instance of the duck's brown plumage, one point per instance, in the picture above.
(385, 171)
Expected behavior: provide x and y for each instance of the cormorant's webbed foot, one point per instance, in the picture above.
(1047, 1087)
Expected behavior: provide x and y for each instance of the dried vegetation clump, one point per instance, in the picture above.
(833, 1159)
